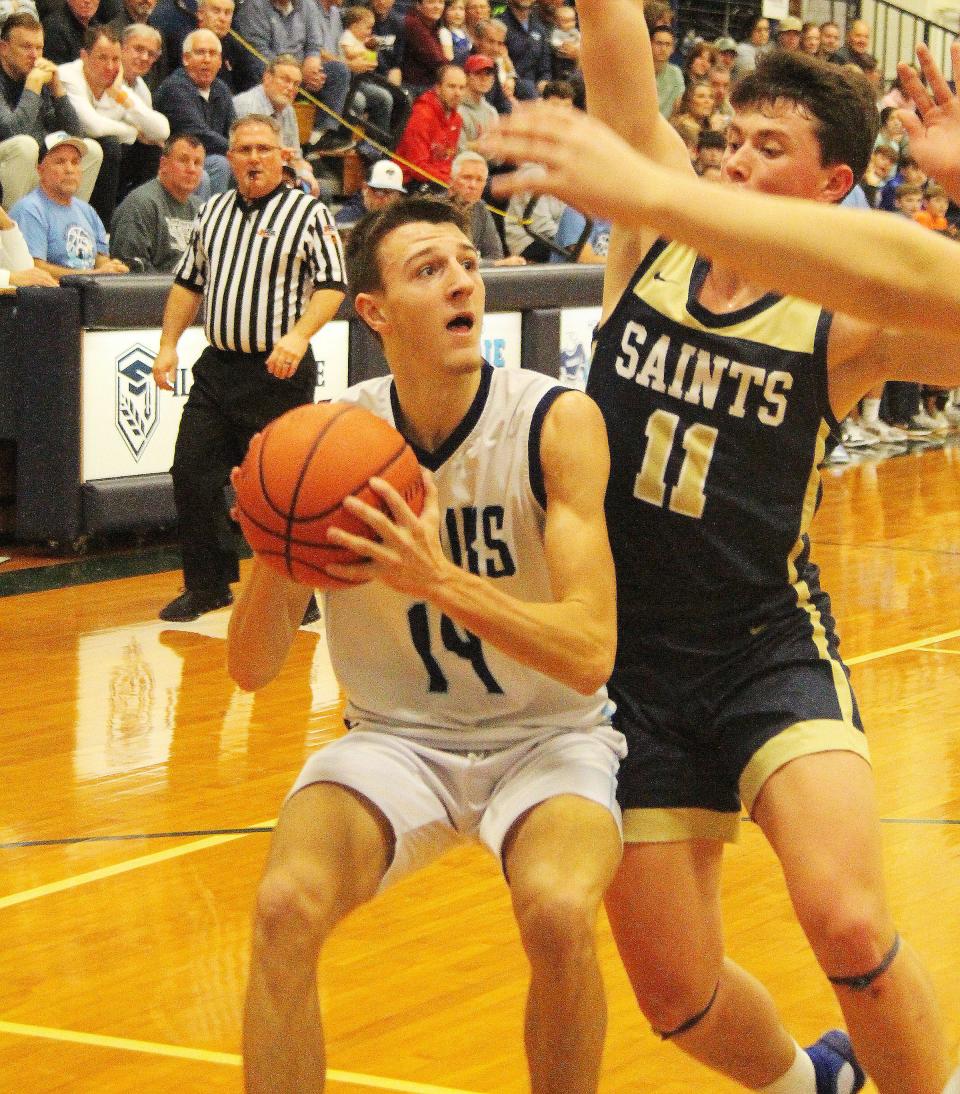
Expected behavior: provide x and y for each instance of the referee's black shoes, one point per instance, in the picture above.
(190, 605)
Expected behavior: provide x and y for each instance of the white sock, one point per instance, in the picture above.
(871, 411)
(799, 1078)
(953, 1083)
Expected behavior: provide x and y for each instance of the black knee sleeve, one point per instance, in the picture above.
(861, 983)
(684, 1027)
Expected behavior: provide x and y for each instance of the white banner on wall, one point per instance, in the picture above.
(576, 337)
(129, 426)
(500, 338)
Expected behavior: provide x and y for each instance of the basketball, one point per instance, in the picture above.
(296, 475)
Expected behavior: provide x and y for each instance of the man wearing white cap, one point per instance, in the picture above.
(64, 234)
(381, 189)
(788, 33)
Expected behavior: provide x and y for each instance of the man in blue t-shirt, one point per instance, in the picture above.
(64, 234)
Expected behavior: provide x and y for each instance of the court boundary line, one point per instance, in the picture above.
(905, 647)
(121, 837)
(204, 1055)
(115, 868)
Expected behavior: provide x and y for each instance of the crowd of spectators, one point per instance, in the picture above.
(115, 118)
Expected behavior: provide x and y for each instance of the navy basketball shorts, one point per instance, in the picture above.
(708, 719)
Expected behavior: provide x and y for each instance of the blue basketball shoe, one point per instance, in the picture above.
(835, 1064)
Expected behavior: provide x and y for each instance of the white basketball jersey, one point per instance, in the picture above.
(405, 665)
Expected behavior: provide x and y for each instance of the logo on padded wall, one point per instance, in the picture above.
(138, 408)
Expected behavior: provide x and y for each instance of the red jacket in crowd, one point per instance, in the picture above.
(430, 138)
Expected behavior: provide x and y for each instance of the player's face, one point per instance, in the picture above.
(433, 296)
(776, 151)
(256, 160)
(59, 173)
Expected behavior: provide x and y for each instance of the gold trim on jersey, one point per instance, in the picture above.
(677, 825)
(787, 324)
(801, 739)
(818, 632)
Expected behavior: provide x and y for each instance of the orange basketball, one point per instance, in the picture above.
(299, 470)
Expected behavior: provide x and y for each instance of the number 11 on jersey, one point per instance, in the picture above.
(688, 497)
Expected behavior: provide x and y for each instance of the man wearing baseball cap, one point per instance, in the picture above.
(64, 234)
(788, 33)
(382, 188)
(479, 115)
(726, 49)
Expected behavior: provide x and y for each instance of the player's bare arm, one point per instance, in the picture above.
(860, 356)
(622, 92)
(880, 270)
(572, 638)
(264, 620)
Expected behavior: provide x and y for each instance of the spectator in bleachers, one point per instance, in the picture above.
(452, 31)
(756, 43)
(174, 19)
(830, 38)
(788, 33)
(33, 103)
(477, 11)
(383, 186)
(433, 131)
(810, 39)
(908, 200)
(304, 29)
(910, 172)
(719, 80)
(882, 162)
(239, 68)
(16, 264)
(423, 54)
(140, 49)
(934, 212)
(697, 105)
(195, 101)
(726, 53)
(138, 12)
(151, 226)
(669, 77)
(468, 177)
(388, 39)
(892, 134)
(65, 27)
(711, 144)
(273, 98)
(64, 234)
(357, 54)
(565, 45)
(701, 58)
(113, 115)
(528, 45)
(478, 114)
(896, 98)
(856, 49)
(492, 43)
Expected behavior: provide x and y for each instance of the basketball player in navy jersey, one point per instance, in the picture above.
(719, 400)
(472, 659)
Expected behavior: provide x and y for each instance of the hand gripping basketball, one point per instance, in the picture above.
(296, 476)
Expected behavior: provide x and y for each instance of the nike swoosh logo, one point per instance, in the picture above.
(660, 277)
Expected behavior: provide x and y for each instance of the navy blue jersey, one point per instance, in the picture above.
(717, 426)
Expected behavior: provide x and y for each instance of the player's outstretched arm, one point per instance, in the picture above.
(885, 271)
(935, 135)
(573, 637)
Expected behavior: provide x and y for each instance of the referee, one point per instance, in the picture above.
(267, 263)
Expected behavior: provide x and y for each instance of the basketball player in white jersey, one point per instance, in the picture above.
(473, 663)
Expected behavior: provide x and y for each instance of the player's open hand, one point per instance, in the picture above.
(406, 554)
(935, 135)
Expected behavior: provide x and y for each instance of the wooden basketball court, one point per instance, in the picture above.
(139, 786)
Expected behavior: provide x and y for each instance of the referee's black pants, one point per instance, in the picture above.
(232, 398)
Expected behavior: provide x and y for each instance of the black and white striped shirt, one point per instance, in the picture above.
(258, 263)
